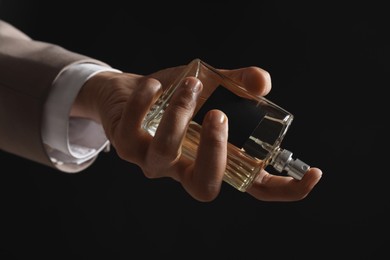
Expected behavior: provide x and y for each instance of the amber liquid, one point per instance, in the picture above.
(241, 168)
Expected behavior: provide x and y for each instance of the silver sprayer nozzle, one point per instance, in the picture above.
(283, 161)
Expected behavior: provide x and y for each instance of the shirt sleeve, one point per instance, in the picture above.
(72, 141)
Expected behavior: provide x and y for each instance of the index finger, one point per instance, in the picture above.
(256, 80)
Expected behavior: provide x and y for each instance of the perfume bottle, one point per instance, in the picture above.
(257, 126)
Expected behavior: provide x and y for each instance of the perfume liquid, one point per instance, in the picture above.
(241, 168)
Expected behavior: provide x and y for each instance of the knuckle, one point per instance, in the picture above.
(214, 139)
(158, 163)
(150, 174)
(208, 193)
(183, 102)
(123, 152)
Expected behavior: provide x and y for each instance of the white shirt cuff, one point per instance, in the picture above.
(72, 141)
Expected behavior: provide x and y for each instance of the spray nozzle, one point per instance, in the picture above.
(283, 161)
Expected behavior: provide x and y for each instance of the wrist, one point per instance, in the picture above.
(87, 102)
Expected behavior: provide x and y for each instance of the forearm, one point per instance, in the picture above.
(28, 70)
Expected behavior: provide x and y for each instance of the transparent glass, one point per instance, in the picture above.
(257, 126)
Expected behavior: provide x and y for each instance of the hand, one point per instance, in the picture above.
(121, 101)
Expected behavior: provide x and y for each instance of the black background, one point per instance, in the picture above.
(329, 64)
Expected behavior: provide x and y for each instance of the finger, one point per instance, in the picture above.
(165, 147)
(254, 79)
(270, 187)
(132, 140)
(168, 76)
(139, 104)
(204, 183)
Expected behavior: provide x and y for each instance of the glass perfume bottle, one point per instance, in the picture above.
(257, 126)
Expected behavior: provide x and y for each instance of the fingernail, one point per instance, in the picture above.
(193, 84)
(215, 116)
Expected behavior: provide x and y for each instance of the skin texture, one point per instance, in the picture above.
(120, 101)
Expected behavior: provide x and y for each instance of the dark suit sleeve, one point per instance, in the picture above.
(27, 71)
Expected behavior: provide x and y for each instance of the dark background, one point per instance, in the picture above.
(329, 64)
